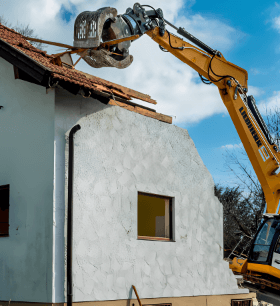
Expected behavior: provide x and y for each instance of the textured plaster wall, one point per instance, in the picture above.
(26, 163)
(68, 110)
(117, 154)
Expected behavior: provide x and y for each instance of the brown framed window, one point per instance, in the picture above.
(241, 302)
(4, 210)
(155, 217)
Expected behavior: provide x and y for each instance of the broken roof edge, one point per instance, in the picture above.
(38, 65)
(130, 92)
(139, 109)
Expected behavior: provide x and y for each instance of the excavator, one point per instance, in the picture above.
(103, 37)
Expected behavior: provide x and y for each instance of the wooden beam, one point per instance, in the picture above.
(130, 92)
(142, 111)
(167, 218)
(138, 95)
(153, 238)
(22, 75)
(117, 41)
(16, 72)
(49, 42)
(135, 104)
(106, 43)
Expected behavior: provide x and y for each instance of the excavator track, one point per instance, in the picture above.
(260, 281)
(265, 290)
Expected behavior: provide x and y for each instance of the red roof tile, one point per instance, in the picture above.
(73, 76)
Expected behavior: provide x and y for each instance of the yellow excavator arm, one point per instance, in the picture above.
(231, 81)
(114, 30)
(116, 33)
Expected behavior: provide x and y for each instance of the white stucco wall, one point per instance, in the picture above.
(117, 154)
(33, 126)
(26, 163)
(68, 110)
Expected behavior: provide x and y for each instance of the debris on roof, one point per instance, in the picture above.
(130, 92)
(43, 67)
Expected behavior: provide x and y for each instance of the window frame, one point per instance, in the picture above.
(2, 187)
(236, 302)
(170, 217)
(258, 247)
(277, 245)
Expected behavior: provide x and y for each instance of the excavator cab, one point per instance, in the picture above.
(264, 255)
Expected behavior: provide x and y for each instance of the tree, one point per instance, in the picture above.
(24, 30)
(241, 217)
(273, 124)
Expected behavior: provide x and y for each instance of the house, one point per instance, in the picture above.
(143, 206)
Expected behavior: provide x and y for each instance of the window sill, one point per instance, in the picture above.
(154, 238)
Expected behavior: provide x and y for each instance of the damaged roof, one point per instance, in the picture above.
(43, 70)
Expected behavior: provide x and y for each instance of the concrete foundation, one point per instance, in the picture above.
(213, 300)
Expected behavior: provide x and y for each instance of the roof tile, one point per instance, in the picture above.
(67, 74)
(80, 78)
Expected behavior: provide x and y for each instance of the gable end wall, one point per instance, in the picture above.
(117, 154)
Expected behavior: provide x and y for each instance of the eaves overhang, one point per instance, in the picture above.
(43, 75)
(21, 60)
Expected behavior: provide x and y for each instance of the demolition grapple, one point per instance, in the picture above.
(94, 28)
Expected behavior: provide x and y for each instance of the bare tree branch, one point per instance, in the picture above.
(24, 30)
(244, 205)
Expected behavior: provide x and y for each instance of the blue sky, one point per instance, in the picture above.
(258, 52)
(246, 32)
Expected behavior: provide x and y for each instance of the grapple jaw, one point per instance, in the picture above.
(93, 28)
(88, 27)
(103, 58)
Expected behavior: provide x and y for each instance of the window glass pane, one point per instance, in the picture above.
(260, 252)
(4, 210)
(4, 216)
(4, 229)
(264, 239)
(151, 212)
(154, 216)
(277, 247)
(241, 302)
(4, 198)
(266, 234)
